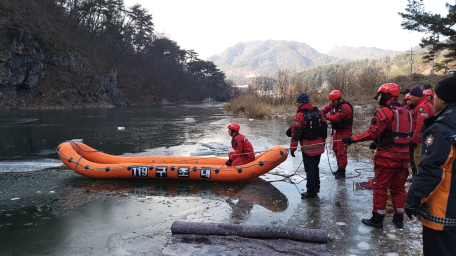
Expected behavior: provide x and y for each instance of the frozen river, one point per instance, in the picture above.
(48, 210)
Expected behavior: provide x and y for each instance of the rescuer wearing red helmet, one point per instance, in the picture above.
(408, 102)
(390, 130)
(310, 130)
(408, 105)
(341, 118)
(429, 95)
(423, 109)
(243, 149)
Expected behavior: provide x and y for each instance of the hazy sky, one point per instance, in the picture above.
(211, 26)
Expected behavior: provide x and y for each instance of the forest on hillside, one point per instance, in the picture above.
(105, 36)
(346, 75)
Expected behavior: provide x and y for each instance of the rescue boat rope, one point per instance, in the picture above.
(285, 177)
(239, 169)
(349, 177)
(86, 167)
(191, 159)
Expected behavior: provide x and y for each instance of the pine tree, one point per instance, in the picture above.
(416, 18)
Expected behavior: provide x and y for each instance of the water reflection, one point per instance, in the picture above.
(241, 197)
(34, 134)
(31, 228)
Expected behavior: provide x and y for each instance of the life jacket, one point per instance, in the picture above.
(399, 134)
(345, 123)
(315, 127)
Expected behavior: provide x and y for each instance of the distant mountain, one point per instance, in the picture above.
(262, 58)
(359, 53)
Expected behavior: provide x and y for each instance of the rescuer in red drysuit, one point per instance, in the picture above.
(390, 130)
(341, 118)
(430, 96)
(407, 103)
(423, 109)
(309, 129)
(243, 149)
(410, 107)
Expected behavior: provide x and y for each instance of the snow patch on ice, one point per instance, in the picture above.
(363, 246)
(365, 229)
(392, 254)
(29, 165)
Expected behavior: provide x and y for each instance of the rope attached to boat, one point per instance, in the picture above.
(217, 170)
(129, 167)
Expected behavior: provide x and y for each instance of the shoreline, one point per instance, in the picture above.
(104, 105)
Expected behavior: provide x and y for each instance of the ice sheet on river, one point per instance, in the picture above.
(29, 165)
(16, 121)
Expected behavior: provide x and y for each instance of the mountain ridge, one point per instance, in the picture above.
(266, 57)
(360, 52)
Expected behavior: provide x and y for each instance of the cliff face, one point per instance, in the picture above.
(38, 70)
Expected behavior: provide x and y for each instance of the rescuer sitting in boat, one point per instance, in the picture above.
(243, 149)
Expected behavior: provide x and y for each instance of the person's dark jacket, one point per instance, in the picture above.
(435, 182)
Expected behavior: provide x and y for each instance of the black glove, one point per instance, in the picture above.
(422, 211)
(373, 145)
(411, 211)
(347, 140)
(413, 145)
(292, 154)
(229, 162)
(288, 132)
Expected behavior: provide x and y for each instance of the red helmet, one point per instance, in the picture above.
(334, 95)
(392, 88)
(407, 97)
(234, 126)
(428, 93)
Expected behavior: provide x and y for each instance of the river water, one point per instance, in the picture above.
(46, 209)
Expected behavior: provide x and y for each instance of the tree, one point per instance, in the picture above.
(417, 19)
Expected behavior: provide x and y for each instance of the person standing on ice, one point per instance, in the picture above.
(410, 107)
(430, 96)
(341, 118)
(422, 110)
(408, 103)
(243, 149)
(390, 130)
(432, 195)
(309, 129)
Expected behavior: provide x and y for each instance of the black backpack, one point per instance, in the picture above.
(315, 126)
(311, 131)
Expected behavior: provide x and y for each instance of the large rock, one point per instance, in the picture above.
(20, 58)
(40, 69)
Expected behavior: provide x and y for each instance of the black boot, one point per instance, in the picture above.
(336, 172)
(398, 220)
(376, 221)
(341, 174)
(307, 194)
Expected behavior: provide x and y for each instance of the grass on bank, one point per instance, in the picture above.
(360, 94)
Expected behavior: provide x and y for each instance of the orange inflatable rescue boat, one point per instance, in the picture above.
(89, 162)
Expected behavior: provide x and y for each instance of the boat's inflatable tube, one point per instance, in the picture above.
(89, 162)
